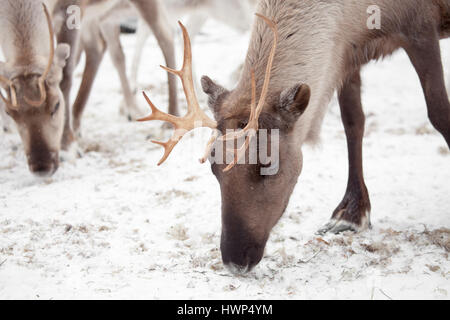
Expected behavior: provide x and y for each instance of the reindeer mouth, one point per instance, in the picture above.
(237, 270)
(44, 168)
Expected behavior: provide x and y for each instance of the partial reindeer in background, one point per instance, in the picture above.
(101, 30)
(311, 49)
(238, 14)
(30, 78)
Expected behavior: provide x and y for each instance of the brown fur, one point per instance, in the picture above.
(322, 44)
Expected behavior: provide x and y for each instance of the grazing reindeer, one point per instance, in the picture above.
(319, 47)
(30, 78)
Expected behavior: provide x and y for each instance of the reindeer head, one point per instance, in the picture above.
(254, 193)
(32, 97)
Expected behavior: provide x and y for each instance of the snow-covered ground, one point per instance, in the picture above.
(114, 225)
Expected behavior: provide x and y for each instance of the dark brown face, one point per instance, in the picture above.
(39, 127)
(254, 198)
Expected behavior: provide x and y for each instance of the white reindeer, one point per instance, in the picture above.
(30, 78)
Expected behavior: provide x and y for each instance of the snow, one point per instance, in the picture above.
(114, 225)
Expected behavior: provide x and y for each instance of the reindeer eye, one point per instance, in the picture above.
(55, 109)
(242, 124)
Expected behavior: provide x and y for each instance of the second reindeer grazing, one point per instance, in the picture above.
(31, 77)
(321, 48)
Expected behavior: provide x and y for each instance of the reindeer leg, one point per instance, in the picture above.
(111, 34)
(425, 55)
(71, 37)
(154, 14)
(353, 213)
(94, 54)
(142, 35)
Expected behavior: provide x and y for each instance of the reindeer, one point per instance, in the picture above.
(152, 13)
(310, 49)
(30, 78)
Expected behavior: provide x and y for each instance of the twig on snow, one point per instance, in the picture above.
(385, 294)
(373, 293)
(315, 255)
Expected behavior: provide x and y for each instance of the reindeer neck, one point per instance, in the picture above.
(321, 43)
(307, 52)
(25, 39)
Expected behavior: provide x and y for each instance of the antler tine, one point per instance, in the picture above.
(8, 83)
(253, 125)
(177, 122)
(253, 104)
(52, 43)
(254, 120)
(49, 65)
(209, 146)
(159, 115)
(239, 153)
(6, 101)
(195, 116)
(185, 74)
(265, 88)
(12, 92)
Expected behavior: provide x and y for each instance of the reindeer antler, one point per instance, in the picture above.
(195, 116)
(253, 126)
(12, 92)
(42, 78)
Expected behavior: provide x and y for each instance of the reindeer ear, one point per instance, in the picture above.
(214, 91)
(62, 53)
(293, 102)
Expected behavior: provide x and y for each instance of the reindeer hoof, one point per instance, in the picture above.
(131, 113)
(71, 154)
(352, 214)
(337, 226)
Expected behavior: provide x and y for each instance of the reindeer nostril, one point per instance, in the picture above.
(43, 169)
(236, 269)
(240, 259)
(43, 164)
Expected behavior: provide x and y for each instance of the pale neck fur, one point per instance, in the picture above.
(24, 38)
(310, 50)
